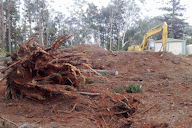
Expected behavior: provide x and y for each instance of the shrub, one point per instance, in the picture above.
(5, 60)
(90, 81)
(105, 74)
(117, 89)
(133, 88)
(2, 52)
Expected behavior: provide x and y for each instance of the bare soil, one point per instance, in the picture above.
(166, 100)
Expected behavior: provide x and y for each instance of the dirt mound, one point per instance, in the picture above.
(165, 102)
(132, 62)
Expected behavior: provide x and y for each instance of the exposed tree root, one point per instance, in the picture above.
(43, 74)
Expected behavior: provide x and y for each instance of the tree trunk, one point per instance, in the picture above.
(15, 39)
(2, 26)
(25, 37)
(47, 35)
(173, 19)
(8, 27)
(111, 30)
(30, 15)
(71, 41)
(42, 38)
(123, 40)
(39, 24)
(105, 36)
(111, 35)
(30, 23)
(9, 34)
(118, 36)
(99, 38)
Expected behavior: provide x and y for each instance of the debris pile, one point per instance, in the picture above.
(42, 73)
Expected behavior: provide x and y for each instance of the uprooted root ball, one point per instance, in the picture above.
(44, 73)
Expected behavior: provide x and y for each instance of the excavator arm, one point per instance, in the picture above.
(164, 35)
(153, 31)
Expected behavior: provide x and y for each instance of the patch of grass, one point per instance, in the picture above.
(106, 74)
(82, 82)
(87, 52)
(117, 89)
(133, 88)
(90, 81)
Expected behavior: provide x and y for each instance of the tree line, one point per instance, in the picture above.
(115, 27)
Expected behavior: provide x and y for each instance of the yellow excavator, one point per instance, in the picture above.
(153, 31)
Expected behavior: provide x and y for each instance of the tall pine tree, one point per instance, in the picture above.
(174, 17)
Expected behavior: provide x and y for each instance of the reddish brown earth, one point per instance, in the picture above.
(166, 101)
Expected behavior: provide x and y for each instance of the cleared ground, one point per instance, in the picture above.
(166, 100)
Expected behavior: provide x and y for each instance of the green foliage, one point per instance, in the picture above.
(133, 88)
(117, 89)
(2, 52)
(174, 18)
(90, 81)
(88, 52)
(82, 82)
(47, 24)
(5, 60)
(105, 74)
(135, 34)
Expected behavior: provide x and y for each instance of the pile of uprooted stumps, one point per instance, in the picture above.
(44, 73)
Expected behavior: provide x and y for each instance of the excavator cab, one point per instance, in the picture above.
(134, 48)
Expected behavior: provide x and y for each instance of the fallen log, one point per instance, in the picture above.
(103, 72)
(89, 93)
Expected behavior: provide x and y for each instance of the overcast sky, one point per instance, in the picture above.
(151, 5)
(153, 9)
